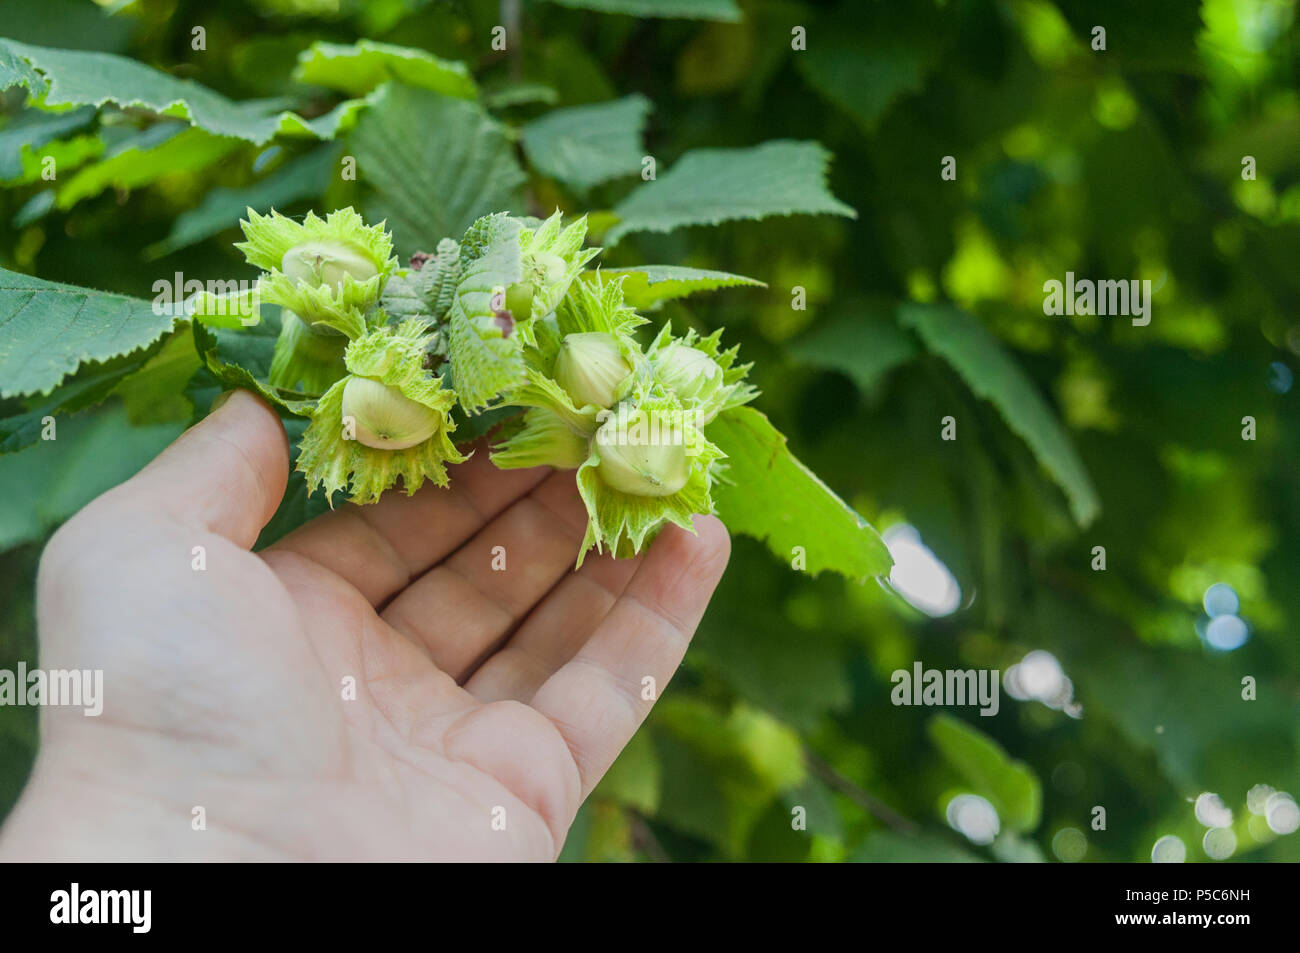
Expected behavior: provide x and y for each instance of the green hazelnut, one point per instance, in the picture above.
(638, 466)
(384, 418)
(326, 263)
(591, 368)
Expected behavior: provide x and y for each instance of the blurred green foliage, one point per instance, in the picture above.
(1073, 432)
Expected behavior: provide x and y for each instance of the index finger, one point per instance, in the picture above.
(226, 474)
(599, 698)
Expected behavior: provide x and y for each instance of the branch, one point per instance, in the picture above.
(868, 802)
(643, 838)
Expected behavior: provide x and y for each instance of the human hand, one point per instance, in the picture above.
(481, 696)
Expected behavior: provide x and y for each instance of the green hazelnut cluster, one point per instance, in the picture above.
(630, 420)
(508, 316)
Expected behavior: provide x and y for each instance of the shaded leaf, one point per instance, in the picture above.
(92, 452)
(887, 847)
(583, 146)
(241, 358)
(301, 178)
(34, 128)
(993, 374)
(865, 349)
(146, 159)
(47, 330)
(865, 72)
(634, 779)
(437, 164)
(1010, 786)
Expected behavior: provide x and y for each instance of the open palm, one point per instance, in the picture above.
(425, 678)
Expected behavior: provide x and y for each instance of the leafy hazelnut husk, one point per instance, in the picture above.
(648, 465)
(540, 438)
(553, 257)
(307, 358)
(486, 354)
(326, 270)
(233, 309)
(699, 373)
(427, 288)
(334, 452)
(591, 312)
(512, 275)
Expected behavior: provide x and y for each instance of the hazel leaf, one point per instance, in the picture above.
(768, 494)
(646, 287)
(708, 186)
(57, 78)
(359, 68)
(48, 330)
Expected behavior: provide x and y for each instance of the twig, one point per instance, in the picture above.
(868, 802)
(644, 839)
(512, 20)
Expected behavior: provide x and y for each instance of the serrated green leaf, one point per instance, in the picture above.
(708, 186)
(427, 292)
(767, 493)
(76, 78)
(90, 385)
(301, 178)
(647, 286)
(583, 146)
(1010, 786)
(993, 374)
(486, 358)
(723, 10)
(364, 65)
(863, 348)
(437, 164)
(48, 330)
(16, 71)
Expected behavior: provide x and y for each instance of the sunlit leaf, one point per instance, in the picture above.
(647, 286)
(360, 67)
(772, 496)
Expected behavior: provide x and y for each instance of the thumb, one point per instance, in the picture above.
(226, 474)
